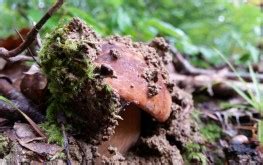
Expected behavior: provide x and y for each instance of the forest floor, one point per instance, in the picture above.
(213, 115)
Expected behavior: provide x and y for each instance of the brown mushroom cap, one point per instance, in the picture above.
(129, 83)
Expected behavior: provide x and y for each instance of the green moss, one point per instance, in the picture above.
(62, 61)
(4, 146)
(211, 132)
(90, 70)
(70, 46)
(107, 88)
(59, 155)
(54, 132)
(194, 152)
(66, 67)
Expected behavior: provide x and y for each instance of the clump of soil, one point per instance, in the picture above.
(76, 84)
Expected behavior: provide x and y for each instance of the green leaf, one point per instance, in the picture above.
(260, 131)
(167, 28)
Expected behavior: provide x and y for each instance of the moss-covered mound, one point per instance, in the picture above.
(75, 83)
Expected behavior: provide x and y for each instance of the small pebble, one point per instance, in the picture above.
(112, 150)
(239, 139)
(115, 54)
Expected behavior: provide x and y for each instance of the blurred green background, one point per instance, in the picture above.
(194, 27)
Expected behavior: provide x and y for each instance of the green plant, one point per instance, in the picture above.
(189, 24)
(54, 132)
(4, 145)
(195, 152)
(210, 131)
(253, 96)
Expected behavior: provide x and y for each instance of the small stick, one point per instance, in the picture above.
(38, 38)
(66, 145)
(62, 120)
(4, 53)
(213, 85)
(28, 49)
(190, 69)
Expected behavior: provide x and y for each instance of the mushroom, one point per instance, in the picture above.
(127, 67)
(80, 66)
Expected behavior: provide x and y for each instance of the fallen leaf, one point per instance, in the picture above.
(24, 130)
(41, 148)
(34, 84)
(33, 70)
(30, 121)
(13, 41)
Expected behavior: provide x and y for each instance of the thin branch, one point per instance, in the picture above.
(62, 121)
(20, 58)
(32, 34)
(28, 49)
(191, 70)
(213, 85)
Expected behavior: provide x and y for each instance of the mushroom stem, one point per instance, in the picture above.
(126, 133)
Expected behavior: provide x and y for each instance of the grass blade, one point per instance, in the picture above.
(256, 87)
(243, 95)
(30, 121)
(260, 131)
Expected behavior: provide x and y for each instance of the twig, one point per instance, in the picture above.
(212, 84)
(38, 38)
(66, 145)
(62, 120)
(190, 69)
(4, 53)
(28, 49)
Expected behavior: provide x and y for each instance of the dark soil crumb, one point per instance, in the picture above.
(151, 75)
(160, 44)
(115, 54)
(106, 70)
(153, 89)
